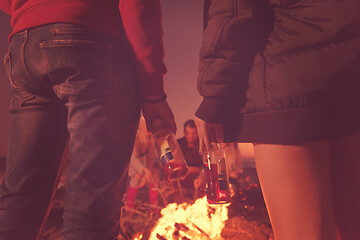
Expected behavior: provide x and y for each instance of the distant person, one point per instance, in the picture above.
(84, 69)
(143, 168)
(189, 145)
(284, 75)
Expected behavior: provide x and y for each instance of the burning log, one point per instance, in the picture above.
(202, 231)
(181, 226)
(191, 233)
(160, 237)
(198, 221)
(176, 235)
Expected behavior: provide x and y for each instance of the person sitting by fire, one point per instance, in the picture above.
(189, 145)
(142, 168)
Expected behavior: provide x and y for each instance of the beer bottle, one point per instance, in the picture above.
(217, 182)
(171, 156)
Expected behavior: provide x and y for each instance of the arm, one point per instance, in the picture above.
(142, 22)
(231, 40)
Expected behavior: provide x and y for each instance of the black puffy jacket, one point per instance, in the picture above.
(281, 71)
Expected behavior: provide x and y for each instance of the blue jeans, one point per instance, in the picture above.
(67, 81)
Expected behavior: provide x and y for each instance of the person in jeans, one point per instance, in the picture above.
(79, 69)
(284, 75)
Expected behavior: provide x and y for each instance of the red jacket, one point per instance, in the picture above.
(139, 20)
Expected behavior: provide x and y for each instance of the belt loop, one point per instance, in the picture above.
(26, 37)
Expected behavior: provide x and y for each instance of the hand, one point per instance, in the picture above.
(208, 132)
(158, 110)
(147, 175)
(198, 182)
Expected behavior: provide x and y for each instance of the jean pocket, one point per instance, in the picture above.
(79, 67)
(64, 32)
(74, 43)
(7, 63)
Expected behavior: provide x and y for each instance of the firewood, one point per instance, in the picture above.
(189, 232)
(160, 237)
(202, 231)
(135, 211)
(181, 227)
(176, 235)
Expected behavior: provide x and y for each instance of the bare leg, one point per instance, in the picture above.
(346, 185)
(295, 181)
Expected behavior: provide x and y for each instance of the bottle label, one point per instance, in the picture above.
(223, 185)
(166, 155)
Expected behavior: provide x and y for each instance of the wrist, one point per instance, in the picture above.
(154, 98)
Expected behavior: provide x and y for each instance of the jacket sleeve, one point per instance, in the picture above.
(232, 37)
(142, 22)
(5, 5)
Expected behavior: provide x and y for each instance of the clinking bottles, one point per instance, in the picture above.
(171, 157)
(217, 182)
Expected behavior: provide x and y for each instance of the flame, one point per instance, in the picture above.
(198, 221)
(138, 236)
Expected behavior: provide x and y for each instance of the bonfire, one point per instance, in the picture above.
(245, 218)
(197, 221)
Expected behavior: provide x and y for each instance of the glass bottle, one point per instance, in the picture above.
(171, 156)
(217, 182)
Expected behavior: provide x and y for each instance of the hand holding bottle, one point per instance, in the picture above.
(207, 133)
(160, 110)
(171, 157)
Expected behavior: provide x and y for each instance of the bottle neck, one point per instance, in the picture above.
(215, 154)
